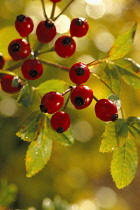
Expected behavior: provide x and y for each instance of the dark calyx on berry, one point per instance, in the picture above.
(114, 117)
(79, 22)
(33, 73)
(60, 130)
(79, 71)
(15, 47)
(79, 101)
(67, 41)
(21, 18)
(43, 109)
(49, 23)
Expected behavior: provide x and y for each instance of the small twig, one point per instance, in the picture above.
(45, 51)
(44, 11)
(95, 63)
(49, 63)
(53, 11)
(63, 10)
(15, 66)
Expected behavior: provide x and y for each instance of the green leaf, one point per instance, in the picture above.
(112, 78)
(29, 129)
(128, 70)
(122, 45)
(134, 127)
(15, 82)
(121, 130)
(65, 138)
(109, 139)
(39, 151)
(114, 135)
(25, 97)
(51, 85)
(124, 164)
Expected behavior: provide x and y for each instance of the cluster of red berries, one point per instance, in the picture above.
(81, 97)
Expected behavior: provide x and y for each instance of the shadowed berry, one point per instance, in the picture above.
(79, 27)
(2, 61)
(60, 121)
(106, 110)
(65, 46)
(24, 25)
(81, 96)
(51, 102)
(6, 84)
(32, 69)
(79, 73)
(46, 31)
(19, 49)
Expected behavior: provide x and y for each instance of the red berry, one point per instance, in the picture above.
(79, 27)
(51, 102)
(55, 1)
(24, 25)
(106, 110)
(79, 73)
(6, 84)
(46, 31)
(19, 49)
(2, 61)
(32, 69)
(65, 46)
(60, 121)
(81, 96)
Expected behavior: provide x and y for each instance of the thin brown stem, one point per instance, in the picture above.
(44, 11)
(95, 63)
(49, 63)
(53, 11)
(63, 10)
(45, 51)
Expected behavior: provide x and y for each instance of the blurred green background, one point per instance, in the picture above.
(79, 174)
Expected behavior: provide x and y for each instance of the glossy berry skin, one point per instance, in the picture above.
(46, 31)
(6, 84)
(32, 69)
(79, 27)
(65, 46)
(106, 110)
(19, 49)
(51, 102)
(79, 73)
(81, 96)
(55, 1)
(24, 25)
(2, 61)
(60, 121)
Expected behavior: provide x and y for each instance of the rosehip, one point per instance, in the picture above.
(65, 46)
(19, 49)
(60, 121)
(81, 96)
(32, 69)
(2, 61)
(6, 84)
(24, 25)
(79, 27)
(46, 31)
(106, 110)
(51, 102)
(79, 73)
